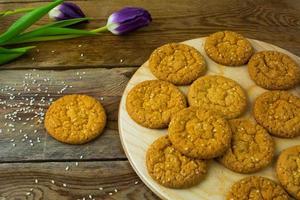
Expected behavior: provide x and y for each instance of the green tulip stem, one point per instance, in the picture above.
(100, 30)
(16, 11)
(57, 37)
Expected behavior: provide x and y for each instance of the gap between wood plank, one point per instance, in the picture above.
(66, 160)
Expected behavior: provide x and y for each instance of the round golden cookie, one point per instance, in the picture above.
(274, 70)
(288, 170)
(279, 113)
(152, 103)
(252, 148)
(172, 169)
(179, 64)
(256, 188)
(199, 133)
(228, 48)
(219, 94)
(75, 119)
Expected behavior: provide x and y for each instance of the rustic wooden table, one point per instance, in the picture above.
(35, 166)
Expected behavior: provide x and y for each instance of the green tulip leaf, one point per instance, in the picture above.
(27, 20)
(7, 55)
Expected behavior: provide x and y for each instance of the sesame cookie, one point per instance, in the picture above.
(179, 64)
(279, 113)
(252, 148)
(274, 70)
(172, 169)
(75, 119)
(152, 103)
(288, 170)
(228, 48)
(219, 94)
(256, 188)
(199, 133)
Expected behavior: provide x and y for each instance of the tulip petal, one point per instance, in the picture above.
(126, 14)
(128, 19)
(132, 25)
(66, 10)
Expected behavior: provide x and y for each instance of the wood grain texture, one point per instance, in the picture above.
(219, 179)
(272, 21)
(16, 86)
(275, 21)
(35, 181)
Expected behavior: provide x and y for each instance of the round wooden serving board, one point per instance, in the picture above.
(136, 139)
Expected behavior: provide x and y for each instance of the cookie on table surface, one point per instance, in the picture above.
(75, 119)
(288, 170)
(177, 63)
(199, 133)
(228, 48)
(279, 113)
(274, 70)
(219, 94)
(152, 103)
(172, 169)
(256, 188)
(252, 148)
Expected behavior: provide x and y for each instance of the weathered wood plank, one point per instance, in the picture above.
(25, 96)
(51, 180)
(275, 22)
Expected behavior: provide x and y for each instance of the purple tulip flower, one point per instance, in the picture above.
(66, 10)
(128, 19)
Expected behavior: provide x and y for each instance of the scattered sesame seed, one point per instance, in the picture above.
(67, 168)
(65, 185)
(100, 188)
(136, 182)
(36, 181)
(52, 181)
(76, 163)
(81, 157)
(116, 190)
(110, 194)
(81, 55)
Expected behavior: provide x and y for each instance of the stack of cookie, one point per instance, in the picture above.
(206, 125)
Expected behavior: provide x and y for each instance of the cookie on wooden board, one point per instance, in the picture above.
(218, 93)
(177, 63)
(228, 48)
(288, 170)
(252, 148)
(199, 133)
(274, 70)
(256, 188)
(172, 169)
(75, 119)
(279, 113)
(152, 103)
